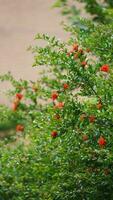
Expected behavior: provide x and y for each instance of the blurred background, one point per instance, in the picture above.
(20, 20)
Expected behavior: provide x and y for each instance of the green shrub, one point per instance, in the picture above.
(68, 155)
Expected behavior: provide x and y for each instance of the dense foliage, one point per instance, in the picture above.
(62, 149)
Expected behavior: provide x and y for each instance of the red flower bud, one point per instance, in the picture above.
(54, 134)
(65, 86)
(20, 128)
(104, 68)
(19, 96)
(101, 141)
(54, 96)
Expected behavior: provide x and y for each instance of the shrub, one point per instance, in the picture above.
(69, 154)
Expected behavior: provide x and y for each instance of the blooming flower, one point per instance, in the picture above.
(19, 96)
(65, 86)
(104, 68)
(20, 128)
(54, 96)
(101, 141)
(54, 134)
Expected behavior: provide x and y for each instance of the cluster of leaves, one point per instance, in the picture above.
(66, 151)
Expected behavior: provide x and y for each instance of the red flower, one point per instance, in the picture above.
(85, 137)
(92, 118)
(84, 63)
(19, 96)
(104, 68)
(54, 96)
(20, 127)
(59, 105)
(101, 141)
(65, 86)
(54, 134)
(75, 47)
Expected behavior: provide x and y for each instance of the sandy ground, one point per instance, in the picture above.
(20, 20)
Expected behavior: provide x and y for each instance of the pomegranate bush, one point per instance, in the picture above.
(64, 121)
(86, 120)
